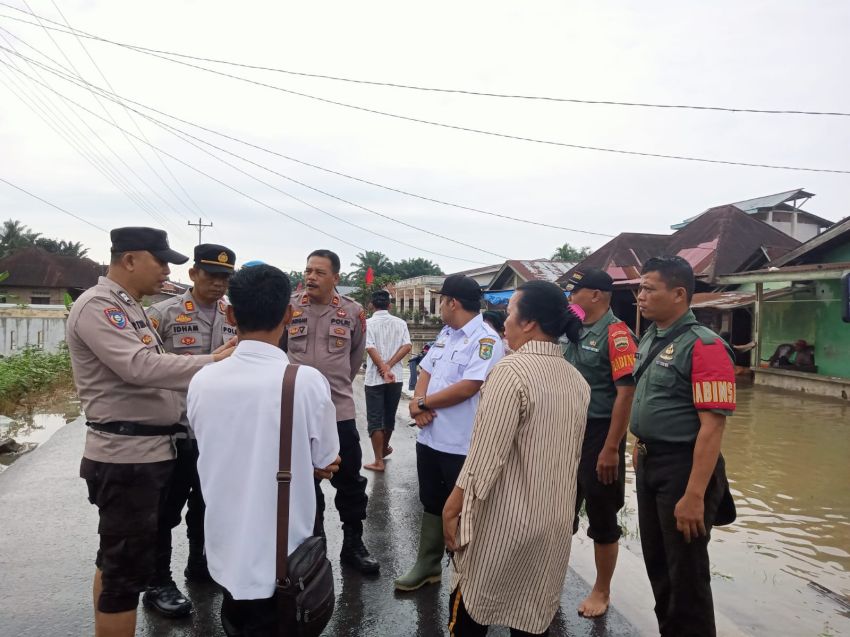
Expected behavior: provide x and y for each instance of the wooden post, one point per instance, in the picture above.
(637, 316)
(757, 324)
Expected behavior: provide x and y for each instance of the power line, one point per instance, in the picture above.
(466, 129)
(432, 89)
(201, 172)
(182, 135)
(53, 205)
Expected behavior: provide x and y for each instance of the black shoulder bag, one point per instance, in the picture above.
(304, 580)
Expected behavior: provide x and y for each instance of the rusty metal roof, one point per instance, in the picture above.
(37, 268)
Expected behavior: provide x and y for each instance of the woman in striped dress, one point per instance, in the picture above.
(509, 519)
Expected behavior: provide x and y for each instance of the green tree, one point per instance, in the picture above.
(378, 261)
(348, 279)
(16, 236)
(570, 254)
(409, 268)
(64, 248)
(296, 277)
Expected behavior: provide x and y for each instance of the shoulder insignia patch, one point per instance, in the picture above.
(487, 340)
(188, 340)
(189, 306)
(485, 350)
(147, 339)
(621, 340)
(341, 313)
(183, 318)
(154, 322)
(125, 297)
(116, 317)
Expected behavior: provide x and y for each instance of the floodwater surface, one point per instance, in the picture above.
(774, 568)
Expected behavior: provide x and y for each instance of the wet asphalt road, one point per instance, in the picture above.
(48, 541)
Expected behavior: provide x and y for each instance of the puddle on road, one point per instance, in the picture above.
(787, 459)
(34, 425)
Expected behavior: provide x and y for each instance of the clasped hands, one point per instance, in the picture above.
(421, 417)
(327, 472)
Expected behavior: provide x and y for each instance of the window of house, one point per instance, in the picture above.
(39, 300)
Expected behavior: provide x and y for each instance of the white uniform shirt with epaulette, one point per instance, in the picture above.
(185, 328)
(123, 374)
(468, 353)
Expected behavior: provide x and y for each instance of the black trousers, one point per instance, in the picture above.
(679, 572)
(250, 617)
(184, 488)
(462, 625)
(381, 406)
(437, 472)
(350, 499)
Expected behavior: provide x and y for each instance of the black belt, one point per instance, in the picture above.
(136, 429)
(651, 447)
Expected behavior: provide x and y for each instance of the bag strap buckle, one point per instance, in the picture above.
(284, 476)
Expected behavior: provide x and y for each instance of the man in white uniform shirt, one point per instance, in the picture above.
(443, 407)
(235, 413)
(387, 342)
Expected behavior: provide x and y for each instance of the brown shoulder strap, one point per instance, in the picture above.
(284, 474)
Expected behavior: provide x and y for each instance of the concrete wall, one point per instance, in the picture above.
(16, 295)
(42, 326)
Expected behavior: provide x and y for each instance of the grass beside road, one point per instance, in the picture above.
(32, 373)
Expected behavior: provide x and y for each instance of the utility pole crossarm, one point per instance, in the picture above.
(200, 225)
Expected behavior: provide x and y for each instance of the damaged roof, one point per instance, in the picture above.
(533, 270)
(37, 268)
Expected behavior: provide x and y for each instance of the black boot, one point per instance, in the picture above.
(354, 552)
(196, 566)
(167, 600)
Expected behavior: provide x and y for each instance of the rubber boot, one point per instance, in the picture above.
(428, 568)
(354, 552)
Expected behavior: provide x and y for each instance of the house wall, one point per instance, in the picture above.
(23, 296)
(20, 328)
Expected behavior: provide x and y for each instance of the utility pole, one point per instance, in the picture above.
(201, 225)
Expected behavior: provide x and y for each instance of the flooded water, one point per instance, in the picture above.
(787, 459)
(30, 429)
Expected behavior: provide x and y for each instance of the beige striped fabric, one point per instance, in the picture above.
(519, 483)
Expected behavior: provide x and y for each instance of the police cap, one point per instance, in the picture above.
(214, 258)
(590, 278)
(145, 239)
(459, 286)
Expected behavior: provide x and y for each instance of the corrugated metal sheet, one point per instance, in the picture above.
(770, 201)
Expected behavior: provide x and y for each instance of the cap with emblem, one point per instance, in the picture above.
(459, 286)
(214, 258)
(590, 278)
(145, 239)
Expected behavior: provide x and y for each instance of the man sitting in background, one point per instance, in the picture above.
(234, 410)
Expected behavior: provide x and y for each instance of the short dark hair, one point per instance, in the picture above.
(545, 303)
(380, 301)
(496, 319)
(674, 271)
(470, 305)
(116, 257)
(259, 295)
(333, 257)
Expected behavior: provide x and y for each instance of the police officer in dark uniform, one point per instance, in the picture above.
(192, 323)
(605, 356)
(685, 391)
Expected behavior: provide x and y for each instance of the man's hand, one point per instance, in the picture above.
(389, 377)
(384, 370)
(225, 350)
(450, 525)
(327, 472)
(607, 465)
(424, 418)
(413, 406)
(690, 512)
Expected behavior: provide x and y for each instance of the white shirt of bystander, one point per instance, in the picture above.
(234, 409)
(387, 334)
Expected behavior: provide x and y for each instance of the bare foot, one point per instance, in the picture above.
(387, 451)
(595, 605)
(375, 466)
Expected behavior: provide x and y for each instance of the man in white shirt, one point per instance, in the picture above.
(234, 411)
(387, 342)
(443, 407)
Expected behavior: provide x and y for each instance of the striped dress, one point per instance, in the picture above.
(519, 483)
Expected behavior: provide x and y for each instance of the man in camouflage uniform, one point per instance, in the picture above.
(192, 323)
(685, 391)
(605, 356)
(328, 332)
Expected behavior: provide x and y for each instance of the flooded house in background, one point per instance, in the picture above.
(802, 299)
(32, 297)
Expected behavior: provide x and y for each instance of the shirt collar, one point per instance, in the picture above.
(545, 348)
(117, 288)
(261, 349)
(598, 327)
(687, 317)
(470, 328)
(380, 312)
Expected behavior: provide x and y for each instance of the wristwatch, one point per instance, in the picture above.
(421, 404)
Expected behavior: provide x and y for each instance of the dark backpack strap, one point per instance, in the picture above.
(284, 474)
(657, 347)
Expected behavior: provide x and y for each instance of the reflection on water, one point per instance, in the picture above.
(787, 459)
(32, 429)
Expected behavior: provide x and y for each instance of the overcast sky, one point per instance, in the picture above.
(768, 55)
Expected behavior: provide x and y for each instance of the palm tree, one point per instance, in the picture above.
(62, 247)
(570, 254)
(14, 236)
(409, 268)
(378, 261)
